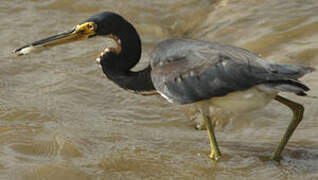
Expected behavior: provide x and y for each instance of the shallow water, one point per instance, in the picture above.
(62, 119)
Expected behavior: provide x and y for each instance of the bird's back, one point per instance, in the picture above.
(186, 71)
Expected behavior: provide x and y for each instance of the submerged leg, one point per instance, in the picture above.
(215, 151)
(298, 111)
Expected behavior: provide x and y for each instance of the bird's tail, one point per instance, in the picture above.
(291, 71)
(293, 86)
(287, 78)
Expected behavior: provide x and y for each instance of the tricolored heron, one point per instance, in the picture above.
(187, 71)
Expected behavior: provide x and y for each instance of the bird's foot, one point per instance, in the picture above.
(276, 158)
(215, 156)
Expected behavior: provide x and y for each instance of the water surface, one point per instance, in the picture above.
(60, 118)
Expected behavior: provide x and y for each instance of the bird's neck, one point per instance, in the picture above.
(138, 82)
(118, 69)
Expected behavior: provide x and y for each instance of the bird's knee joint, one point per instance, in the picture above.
(298, 111)
(299, 108)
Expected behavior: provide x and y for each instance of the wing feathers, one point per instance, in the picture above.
(187, 71)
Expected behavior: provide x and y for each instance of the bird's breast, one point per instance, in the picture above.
(243, 101)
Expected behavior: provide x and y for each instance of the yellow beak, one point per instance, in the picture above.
(80, 32)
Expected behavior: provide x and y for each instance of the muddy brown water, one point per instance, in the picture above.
(60, 118)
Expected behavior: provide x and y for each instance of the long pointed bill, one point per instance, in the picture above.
(80, 32)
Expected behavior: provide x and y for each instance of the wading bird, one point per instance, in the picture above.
(187, 71)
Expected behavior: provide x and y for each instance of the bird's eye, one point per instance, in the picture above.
(90, 26)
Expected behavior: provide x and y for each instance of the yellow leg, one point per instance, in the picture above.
(215, 151)
(298, 111)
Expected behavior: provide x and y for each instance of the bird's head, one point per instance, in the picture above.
(101, 24)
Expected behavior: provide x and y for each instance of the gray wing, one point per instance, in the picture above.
(186, 71)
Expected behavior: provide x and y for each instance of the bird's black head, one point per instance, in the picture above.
(121, 57)
(106, 23)
(101, 24)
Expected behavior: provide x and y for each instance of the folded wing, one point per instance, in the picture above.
(186, 71)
